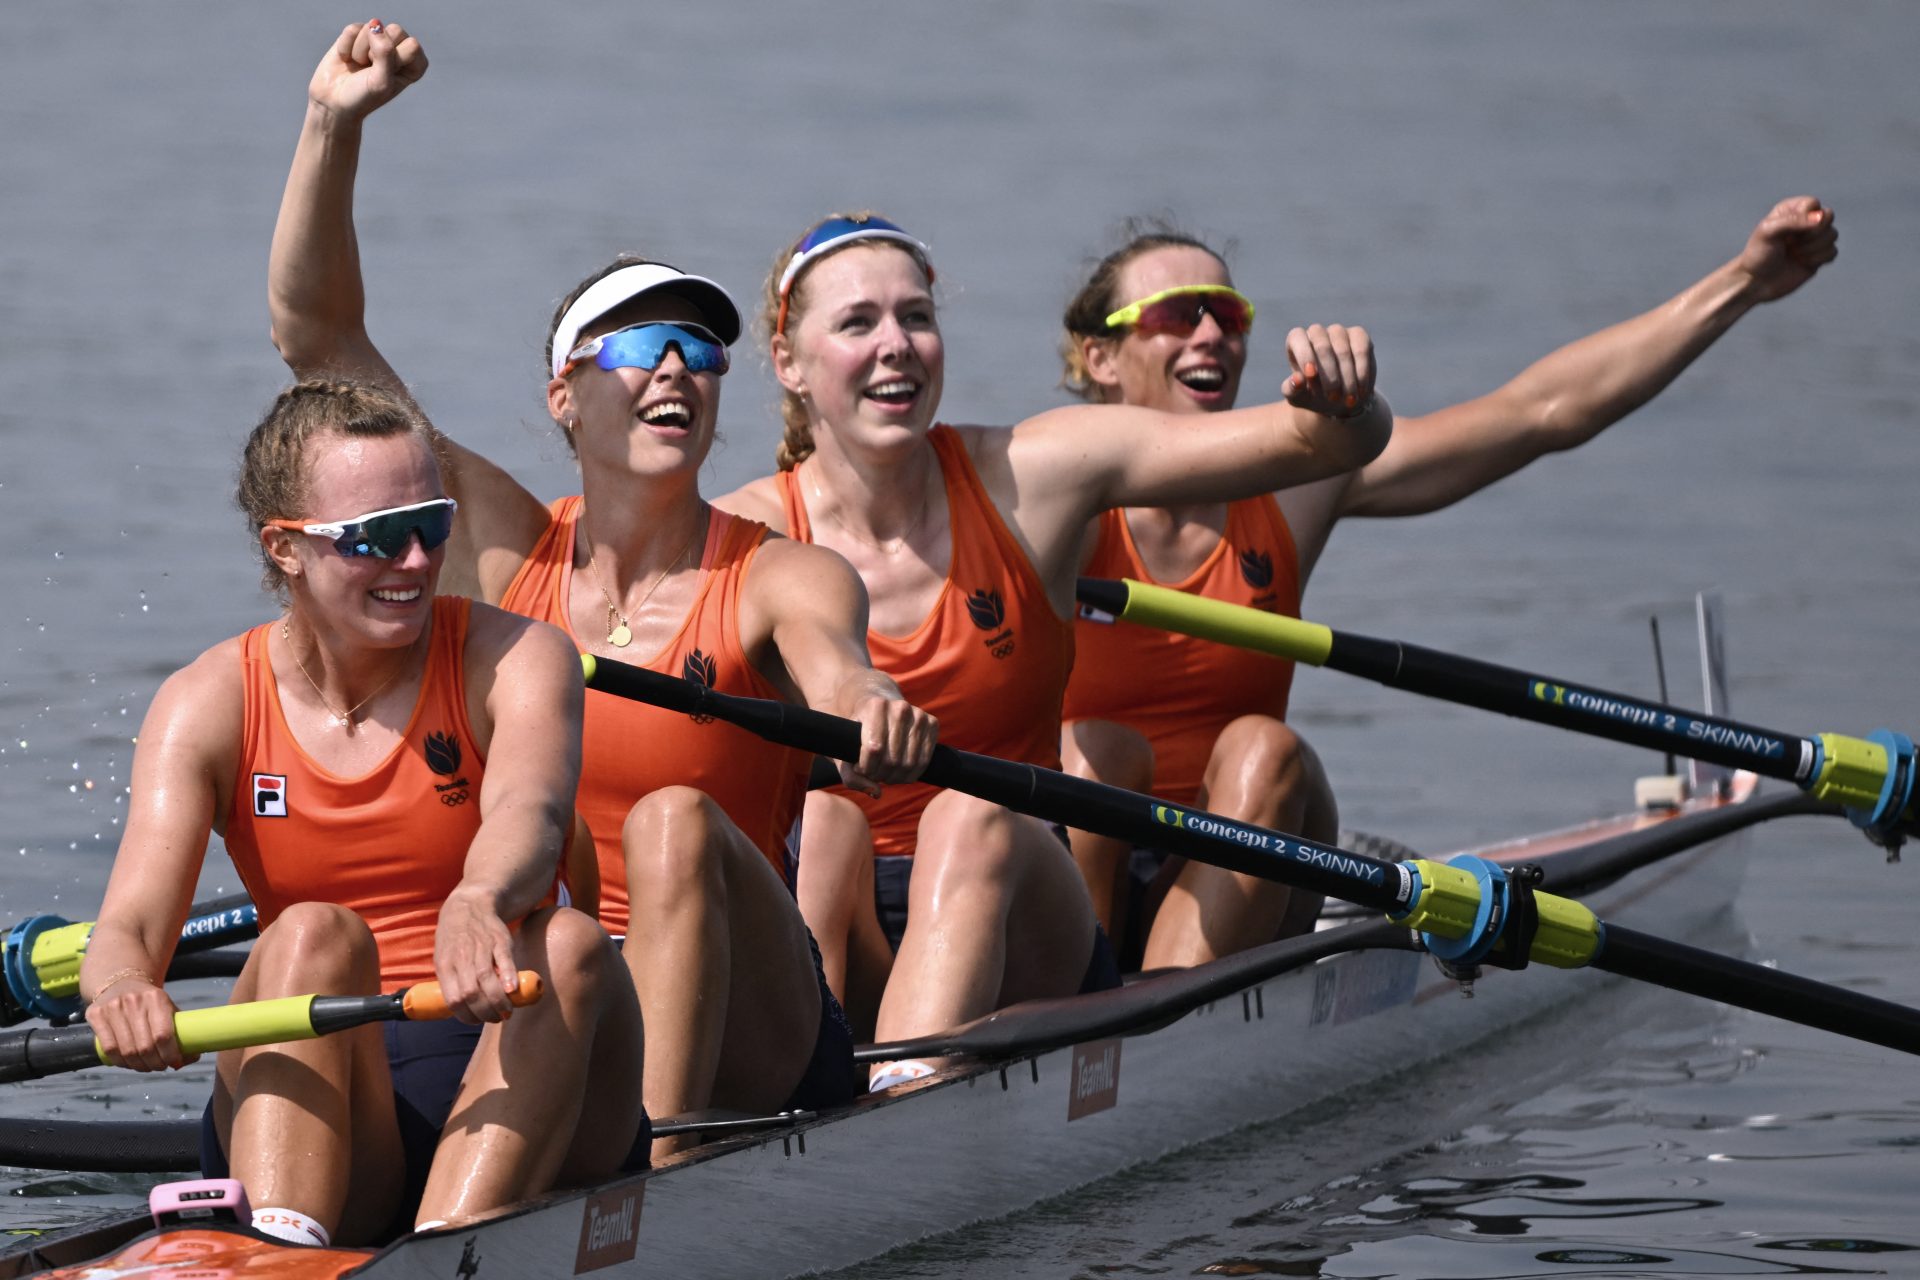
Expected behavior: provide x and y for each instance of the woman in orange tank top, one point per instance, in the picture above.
(1206, 724)
(689, 818)
(342, 752)
(967, 539)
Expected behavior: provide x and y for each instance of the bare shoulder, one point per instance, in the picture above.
(212, 684)
(197, 713)
(785, 570)
(496, 636)
(757, 500)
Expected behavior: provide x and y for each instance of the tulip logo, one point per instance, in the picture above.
(700, 668)
(442, 751)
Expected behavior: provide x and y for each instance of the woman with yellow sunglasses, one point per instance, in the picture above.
(1159, 325)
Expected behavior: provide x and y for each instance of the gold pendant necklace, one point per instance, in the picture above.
(342, 718)
(619, 634)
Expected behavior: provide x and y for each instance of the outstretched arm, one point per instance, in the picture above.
(1057, 470)
(1567, 398)
(811, 609)
(318, 305)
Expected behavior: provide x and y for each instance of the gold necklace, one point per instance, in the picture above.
(619, 634)
(342, 718)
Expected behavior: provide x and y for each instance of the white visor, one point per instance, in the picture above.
(715, 305)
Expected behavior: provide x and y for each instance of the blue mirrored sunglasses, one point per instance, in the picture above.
(644, 346)
(384, 533)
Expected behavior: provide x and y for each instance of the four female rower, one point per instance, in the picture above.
(968, 541)
(1158, 324)
(343, 751)
(690, 817)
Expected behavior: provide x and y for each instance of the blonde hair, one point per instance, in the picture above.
(796, 439)
(1087, 312)
(274, 473)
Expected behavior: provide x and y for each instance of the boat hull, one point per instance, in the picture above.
(990, 1138)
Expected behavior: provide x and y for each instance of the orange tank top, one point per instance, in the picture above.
(991, 658)
(629, 749)
(1177, 690)
(390, 844)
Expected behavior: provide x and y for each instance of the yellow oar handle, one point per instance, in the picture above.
(236, 1026)
(1233, 624)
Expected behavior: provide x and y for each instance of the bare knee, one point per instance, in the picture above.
(668, 838)
(1264, 746)
(574, 952)
(963, 841)
(1107, 752)
(317, 945)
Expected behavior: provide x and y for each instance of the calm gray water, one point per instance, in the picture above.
(1475, 184)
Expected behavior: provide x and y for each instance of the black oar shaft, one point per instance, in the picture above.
(1241, 847)
(1872, 778)
(1045, 793)
(1752, 986)
(1526, 696)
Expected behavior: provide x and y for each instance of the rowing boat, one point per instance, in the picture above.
(1051, 1095)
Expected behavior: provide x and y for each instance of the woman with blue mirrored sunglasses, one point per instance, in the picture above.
(639, 567)
(644, 346)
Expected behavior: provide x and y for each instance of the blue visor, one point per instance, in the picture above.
(644, 346)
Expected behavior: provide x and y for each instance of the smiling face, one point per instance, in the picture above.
(863, 347)
(1197, 373)
(383, 603)
(642, 421)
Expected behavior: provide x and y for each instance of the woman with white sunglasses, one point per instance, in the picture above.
(348, 753)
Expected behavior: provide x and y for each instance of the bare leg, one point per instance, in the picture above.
(573, 1056)
(997, 912)
(309, 1125)
(835, 887)
(1120, 757)
(720, 960)
(1264, 773)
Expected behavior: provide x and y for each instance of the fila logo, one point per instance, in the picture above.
(269, 795)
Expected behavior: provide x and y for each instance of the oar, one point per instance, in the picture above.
(1872, 778)
(1468, 912)
(40, 957)
(45, 1051)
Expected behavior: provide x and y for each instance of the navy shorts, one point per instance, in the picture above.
(893, 877)
(427, 1061)
(832, 1078)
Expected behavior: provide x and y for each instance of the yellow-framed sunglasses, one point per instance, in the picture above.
(1178, 310)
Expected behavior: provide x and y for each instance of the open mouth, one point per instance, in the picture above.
(897, 392)
(396, 595)
(1207, 379)
(668, 413)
